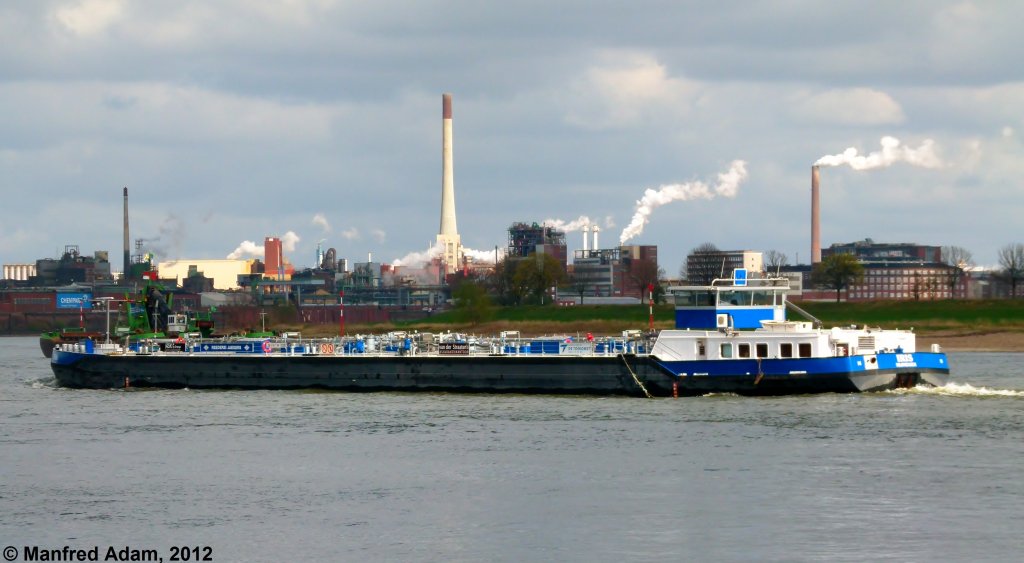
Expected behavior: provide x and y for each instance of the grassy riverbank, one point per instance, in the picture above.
(926, 317)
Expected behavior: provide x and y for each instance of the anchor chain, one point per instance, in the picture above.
(635, 378)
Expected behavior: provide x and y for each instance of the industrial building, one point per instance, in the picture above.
(528, 239)
(224, 273)
(624, 271)
(72, 267)
(901, 271)
(723, 262)
(19, 272)
(869, 252)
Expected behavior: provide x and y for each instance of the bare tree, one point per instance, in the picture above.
(1011, 258)
(957, 259)
(703, 264)
(501, 282)
(579, 286)
(774, 261)
(644, 274)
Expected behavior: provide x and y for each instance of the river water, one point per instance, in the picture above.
(916, 475)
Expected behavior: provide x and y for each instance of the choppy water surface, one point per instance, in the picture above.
(918, 475)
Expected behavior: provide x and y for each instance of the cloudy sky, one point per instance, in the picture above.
(232, 120)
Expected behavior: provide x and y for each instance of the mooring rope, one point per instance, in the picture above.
(635, 378)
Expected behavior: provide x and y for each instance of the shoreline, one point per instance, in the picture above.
(972, 341)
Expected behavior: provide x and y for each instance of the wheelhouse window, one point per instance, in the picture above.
(744, 350)
(726, 350)
(694, 298)
(805, 349)
(786, 350)
(762, 350)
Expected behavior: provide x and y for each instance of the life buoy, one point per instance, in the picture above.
(266, 346)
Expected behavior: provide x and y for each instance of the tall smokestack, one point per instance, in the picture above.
(586, 237)
(447, 173)
(596, 230)
(448, 238)
(127, 258)
(815, 216)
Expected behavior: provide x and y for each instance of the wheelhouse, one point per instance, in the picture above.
(737, 302)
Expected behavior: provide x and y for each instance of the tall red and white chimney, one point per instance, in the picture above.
(447, 170)
(448, 235)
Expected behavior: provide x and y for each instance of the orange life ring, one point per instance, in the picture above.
(266, 346)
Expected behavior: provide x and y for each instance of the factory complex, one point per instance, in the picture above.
(41, 293)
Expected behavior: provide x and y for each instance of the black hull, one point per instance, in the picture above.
(602, 375)
(607, 375)
(46, 344)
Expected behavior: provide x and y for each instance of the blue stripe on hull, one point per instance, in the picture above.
(908, 363)
(808, 375)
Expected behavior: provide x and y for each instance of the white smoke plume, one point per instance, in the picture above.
(288, 241)
(250, 248)
(728, 184)
(418, 259)
(568, 226)
(247, 248)
(891, 153)
(485, 256)
(321, 221)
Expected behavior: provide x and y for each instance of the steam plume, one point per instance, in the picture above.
(728, 183)
(247, 248)
(892, 152)
(168, 242)
(483, 255)
(250, 248)
(321, 222)
(289, 240)
(568, 226)
(418, 259)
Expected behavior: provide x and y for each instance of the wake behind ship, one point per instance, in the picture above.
(731, 336)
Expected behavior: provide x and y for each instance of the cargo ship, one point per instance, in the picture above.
(731, 337)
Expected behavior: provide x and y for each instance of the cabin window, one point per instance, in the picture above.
(763, 298)
(694, 298)
(805, 349)
(733, 298)
(700, 349)
(786, 350)
(726, 350)
(744, 350)
(762, 350)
